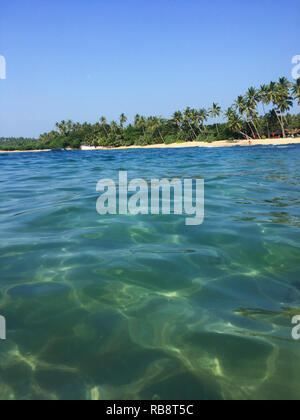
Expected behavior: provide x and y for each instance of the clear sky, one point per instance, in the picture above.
(80, 59)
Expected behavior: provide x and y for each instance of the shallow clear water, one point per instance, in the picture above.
(144, 307)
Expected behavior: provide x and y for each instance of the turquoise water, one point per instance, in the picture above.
(144, 307)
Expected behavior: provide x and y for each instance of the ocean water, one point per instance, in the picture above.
(145, 307)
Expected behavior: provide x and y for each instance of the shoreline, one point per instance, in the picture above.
(221, 143)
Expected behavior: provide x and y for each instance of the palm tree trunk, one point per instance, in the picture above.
(245, 135)
(280, 122)
(264, 109)
(256, 129)
(282, 125)
(253, 135)
(105, 129)
(192, 130)
(163, 140)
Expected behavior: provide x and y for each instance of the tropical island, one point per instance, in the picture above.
(260, 114)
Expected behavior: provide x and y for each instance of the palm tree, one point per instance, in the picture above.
(215, 112)
(137, 119)
(252, 99)
(265, 100)
(296, 90)
(143, 124)
(61, 127)
(279, 95)
(70, 126)
(65, 127)
(235, 123)
(272, 92)
(155, 124)
(123, 120)
(284, 83)
(203, 115)
(140, 122)
(188, 119)
(284, 103)
(77, 126)
(273, 97)
(195, 118)
(114, 127)
(103, 123)
(178, 119)
(242, 107)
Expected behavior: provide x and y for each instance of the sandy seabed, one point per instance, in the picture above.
(223, 143)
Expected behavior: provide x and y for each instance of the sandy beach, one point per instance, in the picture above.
(223, 143)
(24, 151)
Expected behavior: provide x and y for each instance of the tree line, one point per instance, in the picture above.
(258, 114)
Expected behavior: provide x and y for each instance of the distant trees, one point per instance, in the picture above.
(256, 114)
(65, 127)
(279, 95)
(235, 123)
(17, 143)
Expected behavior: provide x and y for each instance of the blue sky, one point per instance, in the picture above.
(80, 59)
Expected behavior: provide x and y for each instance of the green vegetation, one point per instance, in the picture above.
(260, 113)
(12, 143)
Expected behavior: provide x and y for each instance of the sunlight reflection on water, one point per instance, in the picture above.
(144, 307)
